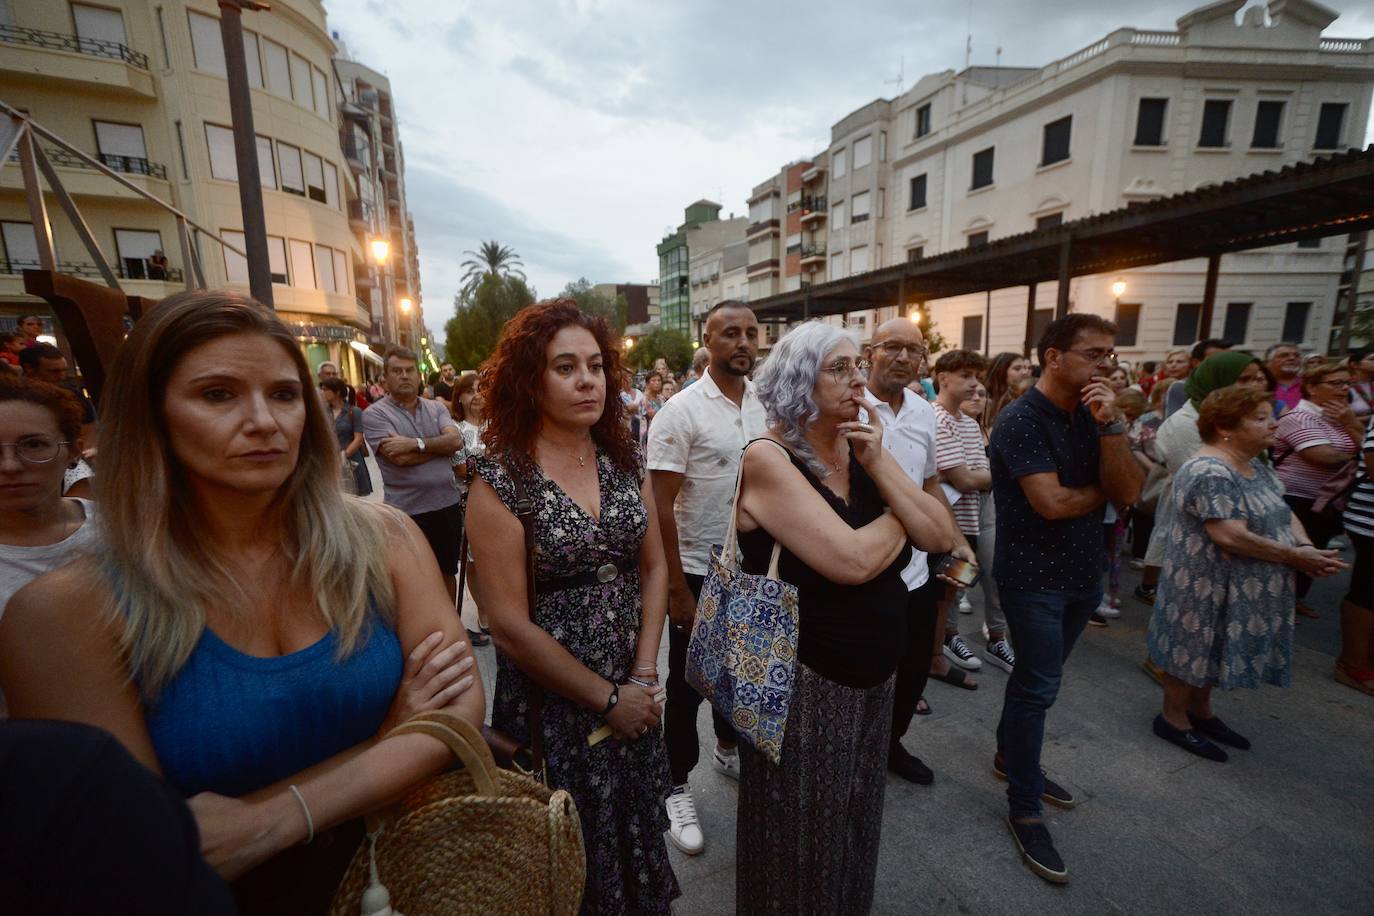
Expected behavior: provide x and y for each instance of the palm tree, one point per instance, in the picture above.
(492, 260)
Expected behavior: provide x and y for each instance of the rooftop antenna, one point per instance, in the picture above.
(999, 52)
(900, 80)
(968, 52)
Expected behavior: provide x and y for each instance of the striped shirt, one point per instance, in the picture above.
(1304, 427)
(959, 441)
(1359, 513)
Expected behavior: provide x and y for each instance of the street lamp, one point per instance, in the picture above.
(381, 251)
(1119, 289)
(405, 306)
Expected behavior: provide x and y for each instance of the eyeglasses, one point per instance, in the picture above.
(894, 350)
(1335, 382)
(1097, 357)
(842, 369)
(34, 449)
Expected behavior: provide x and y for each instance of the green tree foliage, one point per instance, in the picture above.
(667, 343)
(615, 311)
(1362, 325)
(471, 334)
(492, 259)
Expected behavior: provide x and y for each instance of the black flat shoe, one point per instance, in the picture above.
(1215, 729)
(1190, 741)
(908, 766)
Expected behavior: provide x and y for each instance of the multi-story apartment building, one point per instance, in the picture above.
(641, 305)
(717, 250)
(965, 158)
(375, 158)
(701, 228)
(142, 86)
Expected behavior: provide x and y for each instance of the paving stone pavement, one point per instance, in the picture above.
(1285, 828)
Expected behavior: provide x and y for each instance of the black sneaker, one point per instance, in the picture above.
(1037, 849)
(1190, 741)
(908, 766)
(1097, 620)
(1145, 594)
(1053, 792)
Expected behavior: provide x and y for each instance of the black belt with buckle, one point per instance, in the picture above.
(606, 572)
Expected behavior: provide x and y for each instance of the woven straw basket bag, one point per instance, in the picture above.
(476, 840)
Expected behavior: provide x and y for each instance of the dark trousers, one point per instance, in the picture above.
(1320, 528)
(914, 669)
(1044, 626)
(1142, 526)
(680, 709)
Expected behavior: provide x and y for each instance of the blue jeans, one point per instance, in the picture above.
(1044, 625)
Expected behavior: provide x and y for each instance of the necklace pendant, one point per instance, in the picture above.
(580, 462)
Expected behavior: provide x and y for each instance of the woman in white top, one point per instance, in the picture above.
(40, 438)
(467, 410)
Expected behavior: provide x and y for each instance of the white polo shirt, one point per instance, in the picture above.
(700, 433)
(910, 437)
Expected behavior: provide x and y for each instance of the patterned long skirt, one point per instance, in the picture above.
(808, 828)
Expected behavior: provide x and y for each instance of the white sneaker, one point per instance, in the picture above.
(683, 828)
(726, 762)
(965, 606)
(1109, 609)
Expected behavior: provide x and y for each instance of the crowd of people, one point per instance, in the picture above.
(213, 591)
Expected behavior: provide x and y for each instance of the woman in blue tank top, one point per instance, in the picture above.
(244, 630)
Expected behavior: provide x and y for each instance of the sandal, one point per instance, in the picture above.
(956, 677)
(922, 707)
(478, 639)
(1361, 679)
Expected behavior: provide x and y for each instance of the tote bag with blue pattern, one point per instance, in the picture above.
(743, 652)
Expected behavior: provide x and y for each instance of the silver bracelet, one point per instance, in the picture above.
(305, 809)
(634, 680)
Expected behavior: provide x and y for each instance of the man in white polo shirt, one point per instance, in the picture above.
(895, 355)
(695, 443)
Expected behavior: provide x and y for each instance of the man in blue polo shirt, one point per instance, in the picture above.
(1059, 454)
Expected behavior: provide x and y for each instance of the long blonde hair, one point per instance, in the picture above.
(163, 572)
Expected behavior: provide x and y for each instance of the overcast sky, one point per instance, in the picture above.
(576, 131)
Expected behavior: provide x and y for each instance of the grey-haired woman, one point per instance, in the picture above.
(821, 484)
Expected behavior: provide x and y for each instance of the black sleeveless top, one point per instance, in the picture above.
(851, 634)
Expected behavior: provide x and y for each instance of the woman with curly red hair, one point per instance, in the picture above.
(587, 655)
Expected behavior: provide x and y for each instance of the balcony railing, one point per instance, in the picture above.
(814, 205)
(125, 269)
(57, 41)
(131, 165)
(810, 252)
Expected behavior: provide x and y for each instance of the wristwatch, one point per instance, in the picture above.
(1114, 428)
(614, 699)
(420, 443)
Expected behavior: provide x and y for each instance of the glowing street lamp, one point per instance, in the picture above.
(405, 306)
(381, 250)
(1119, 289)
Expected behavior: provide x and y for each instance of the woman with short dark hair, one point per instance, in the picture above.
(1224, 613)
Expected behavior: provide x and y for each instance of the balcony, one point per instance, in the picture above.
(129, 165)
(57, 57)
(813, 254)
(140, 279)
(83, 180)
(358, 217)
(762, 267)
(813, 209)
(761, 227)
(813, 173)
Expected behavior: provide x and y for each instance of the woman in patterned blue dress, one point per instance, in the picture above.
(589, 656)
(1224, 614)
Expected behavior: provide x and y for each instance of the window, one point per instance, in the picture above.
(302, 265)
(220, 140)
(1055, 145)
(206, 43)
(125, 140)
(971, 337)
(181, 148)
(915, 254)
(836, 263)
(321, 85)
(1040, 319)
(1237, 322)
(276, 258)
(252, 58)
(916, 198)
(21, 248)
(278, 68)
(882, 203)
(923, 120)
(863, 151)
(267, 170)
(162, 35)
(1149, 122)
(1310, 243)
(1127, 323)
(838, 164)
(134, 247)
(98, 23)
(292, 177)
(314, 177)
(300, 81)
(859, 207)
(859, 260)
(235, 265)
(1268, 117)
(340, 272)
(1329, 123)
(331, 185)
(882, 146)
(977, 238)
(1049, 220)
(1216, 115)
(324, 267)
(982, 169)
(794, 243)
(1295, 321)
(837, 215)
(1186, 321)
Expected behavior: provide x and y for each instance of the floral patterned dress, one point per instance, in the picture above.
(1222, 619)
(619, 788)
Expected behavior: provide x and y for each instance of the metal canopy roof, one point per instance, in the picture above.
(1332, 195)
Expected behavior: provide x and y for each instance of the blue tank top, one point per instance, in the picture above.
(232, 723)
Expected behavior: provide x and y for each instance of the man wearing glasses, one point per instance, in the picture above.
(895, 356)
(1059, 454)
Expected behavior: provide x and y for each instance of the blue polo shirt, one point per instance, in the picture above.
(1033, 553)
